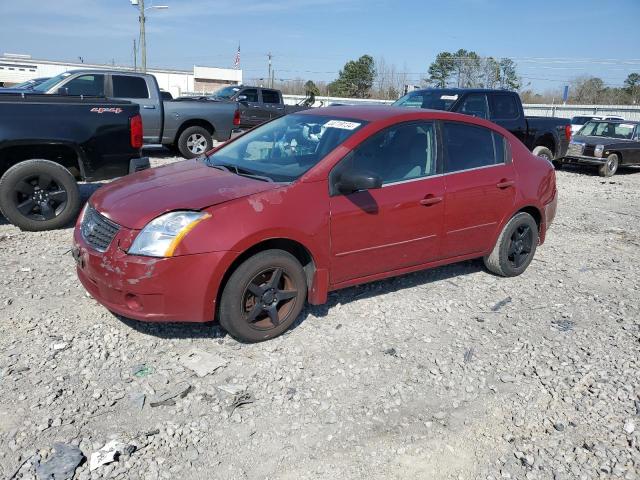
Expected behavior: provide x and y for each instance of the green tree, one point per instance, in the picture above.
(311, 88)
(355, 79)
(441, 69)
(508, 75)
(632, 87)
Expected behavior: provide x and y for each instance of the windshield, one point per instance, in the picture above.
(607, 129)
(226, 92)
(44, 86)
(433, 99)
(284, 149)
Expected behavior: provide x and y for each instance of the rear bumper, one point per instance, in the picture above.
(176, 289)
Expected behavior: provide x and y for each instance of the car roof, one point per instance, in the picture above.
(464, 90)
(375, 113)
(616, 120)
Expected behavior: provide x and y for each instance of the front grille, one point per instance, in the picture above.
(97, 230)
(589, 150)
(575, 149)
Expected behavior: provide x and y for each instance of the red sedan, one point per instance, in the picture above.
(309, 203)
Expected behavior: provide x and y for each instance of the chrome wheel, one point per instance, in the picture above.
(197, 143)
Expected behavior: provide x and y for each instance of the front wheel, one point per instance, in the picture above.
(194, 141)
(610, 167)
(263, 297)
(515, 247)
(38, 195)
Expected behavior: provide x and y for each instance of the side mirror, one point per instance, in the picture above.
(351, 181)
(63, 91)
(242, 98)
(315, 129)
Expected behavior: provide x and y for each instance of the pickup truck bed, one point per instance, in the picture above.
(48, 142)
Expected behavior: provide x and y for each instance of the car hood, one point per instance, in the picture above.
(135, 200)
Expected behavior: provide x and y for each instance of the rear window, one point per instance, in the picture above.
(580, 120)
(129, 87)
(504, 107)
(470, 146)
(270, 96)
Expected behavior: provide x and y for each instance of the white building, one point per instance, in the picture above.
(16, 69)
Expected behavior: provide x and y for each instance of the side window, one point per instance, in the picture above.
(129, 87)
(86, 85)
(475, 105)
(270, 96)
(251, 94)
(399, 153)
(504, 107)
(469, 146)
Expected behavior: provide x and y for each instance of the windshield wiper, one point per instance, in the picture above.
(237, 170)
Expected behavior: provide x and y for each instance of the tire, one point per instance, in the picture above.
(249, 289)
(194, 141)
(543, 152)
(33, 184)
(610, 167)
(504, 260)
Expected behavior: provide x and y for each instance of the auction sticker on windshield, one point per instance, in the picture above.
(342, 124)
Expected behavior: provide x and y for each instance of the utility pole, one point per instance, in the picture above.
(269, 77)
(143, 40)
(135, 56)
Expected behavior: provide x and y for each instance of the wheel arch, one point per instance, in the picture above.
(66, 154)
(546, 140)
(194, 122)
(294, 247)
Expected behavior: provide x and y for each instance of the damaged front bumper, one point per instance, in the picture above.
(175, 289)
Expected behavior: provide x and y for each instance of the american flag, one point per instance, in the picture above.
(236, 62)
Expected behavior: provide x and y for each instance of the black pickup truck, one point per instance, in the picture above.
(546, 137)
(48, 142)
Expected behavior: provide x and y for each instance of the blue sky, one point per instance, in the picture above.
(552, 41)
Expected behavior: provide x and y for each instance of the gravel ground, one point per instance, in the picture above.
(450, 373)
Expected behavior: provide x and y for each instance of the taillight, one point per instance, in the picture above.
(567, 131)
(135, 130)
(236, 118)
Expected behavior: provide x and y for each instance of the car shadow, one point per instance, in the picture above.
(212, 330)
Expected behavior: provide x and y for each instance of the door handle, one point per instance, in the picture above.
(149, 107)
(504, 183)
(430, 200)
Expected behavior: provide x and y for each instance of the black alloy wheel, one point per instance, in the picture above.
(268, 299)
(39, 197)
(521, 246)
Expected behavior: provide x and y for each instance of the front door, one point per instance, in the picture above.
(480, 185)
(398, 225)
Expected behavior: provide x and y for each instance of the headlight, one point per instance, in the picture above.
(598, 150)
(161, 236)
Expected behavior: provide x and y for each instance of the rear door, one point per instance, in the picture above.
(254, 112)
(136, 90)
(273, 102)
(505, 111)
(480, 187)
(398, 225)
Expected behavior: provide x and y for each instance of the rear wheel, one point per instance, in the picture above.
(610, 167)
(263, 297)
(194, 141)
(515, 247)
(38, 195)
(543, 152)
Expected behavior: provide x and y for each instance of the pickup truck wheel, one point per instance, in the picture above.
(194, 141)
(38, 195)
(263, 297)
(543, 152)
(515, 247)
(610, 167)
